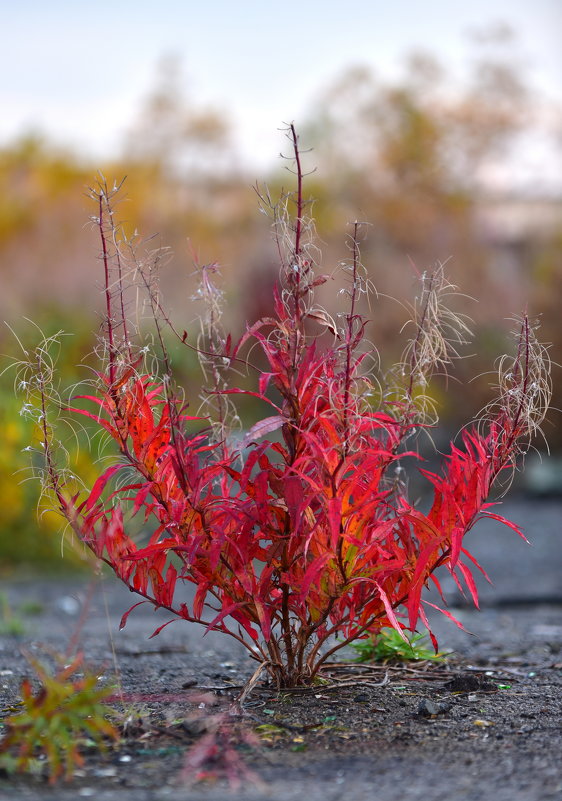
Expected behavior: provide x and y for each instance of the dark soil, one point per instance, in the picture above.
(486, 724)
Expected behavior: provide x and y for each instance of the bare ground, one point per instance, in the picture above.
(487, 724)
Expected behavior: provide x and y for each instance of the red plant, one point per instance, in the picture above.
(295, 539)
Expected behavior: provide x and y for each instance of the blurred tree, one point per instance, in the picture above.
(413, 156)
(428, 130)
(172, 134)
(42, 233)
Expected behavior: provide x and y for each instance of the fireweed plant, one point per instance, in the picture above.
(298, 538)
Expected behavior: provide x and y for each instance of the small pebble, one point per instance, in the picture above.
(195, 726)
(469, 683)
(70, 606)
(105, 773)
(429, 708)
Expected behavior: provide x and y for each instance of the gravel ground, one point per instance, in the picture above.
(485, 725)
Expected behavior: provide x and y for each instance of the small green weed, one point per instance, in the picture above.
(65, 712)
(388, 646)
(10, 623)
(31, 608)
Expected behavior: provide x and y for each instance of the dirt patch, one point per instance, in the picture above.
(486, 724)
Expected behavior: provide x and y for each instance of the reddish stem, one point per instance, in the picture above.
(105, 258)
(298, 221)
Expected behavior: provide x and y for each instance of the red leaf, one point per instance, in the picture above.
(323, 318)
(199, 600)
(264, 618)
(225, 611)
(157, 548)
(163, 626)
(469, 578)
(263, 382)
(259, 395)
(319, 280)
(477, 565)
(128, 612)
(312, 571)
(439, 589)
(390, 613)
(447, 614)
(293, 493)
(99, 487)
(505, 522)
(432, 636)
(334, 518)
(100, 420)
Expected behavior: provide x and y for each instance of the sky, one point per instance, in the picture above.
(78, 71)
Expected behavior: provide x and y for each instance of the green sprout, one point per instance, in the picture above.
(389, 646)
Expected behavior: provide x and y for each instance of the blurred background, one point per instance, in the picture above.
(438, 123)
